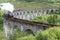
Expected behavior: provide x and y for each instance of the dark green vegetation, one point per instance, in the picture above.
(1, 20)
(1, 26)
(49, 34)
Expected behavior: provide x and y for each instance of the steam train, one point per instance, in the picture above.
(9, 14)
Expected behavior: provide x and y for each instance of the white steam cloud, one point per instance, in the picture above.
(7, 7)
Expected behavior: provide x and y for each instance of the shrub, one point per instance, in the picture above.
(52, 19)
(26, 38)
(49, 34)
(16, 34)
(2, 36)
(1, 19)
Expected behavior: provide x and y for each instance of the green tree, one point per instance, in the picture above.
(49, 34)
(52, 19)
(16, 34)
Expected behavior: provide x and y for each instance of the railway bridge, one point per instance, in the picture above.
(23, 19)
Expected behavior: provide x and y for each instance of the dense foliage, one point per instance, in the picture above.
(1, 20)
(1, 26)
(30, 37)
(52, 18)
(2, 35)
(49, 34)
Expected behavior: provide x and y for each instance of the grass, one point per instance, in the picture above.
(31, 5)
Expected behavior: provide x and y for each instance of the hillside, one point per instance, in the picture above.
(29, 4)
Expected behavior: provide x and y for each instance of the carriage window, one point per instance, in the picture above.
(17, 13)
(27, 11)
(39, 10)
(51, 10)
(47, 11)
(20, 13)
(31, 11)
(23, 12)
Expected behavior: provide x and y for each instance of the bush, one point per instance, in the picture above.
(1, 19)
(52, 19)
(2, 36)
(48, 18)
(49, 34)
(17, 34)
(26, 38)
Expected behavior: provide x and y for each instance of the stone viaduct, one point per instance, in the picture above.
(23, 20)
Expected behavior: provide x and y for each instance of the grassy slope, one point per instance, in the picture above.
(30, 5)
